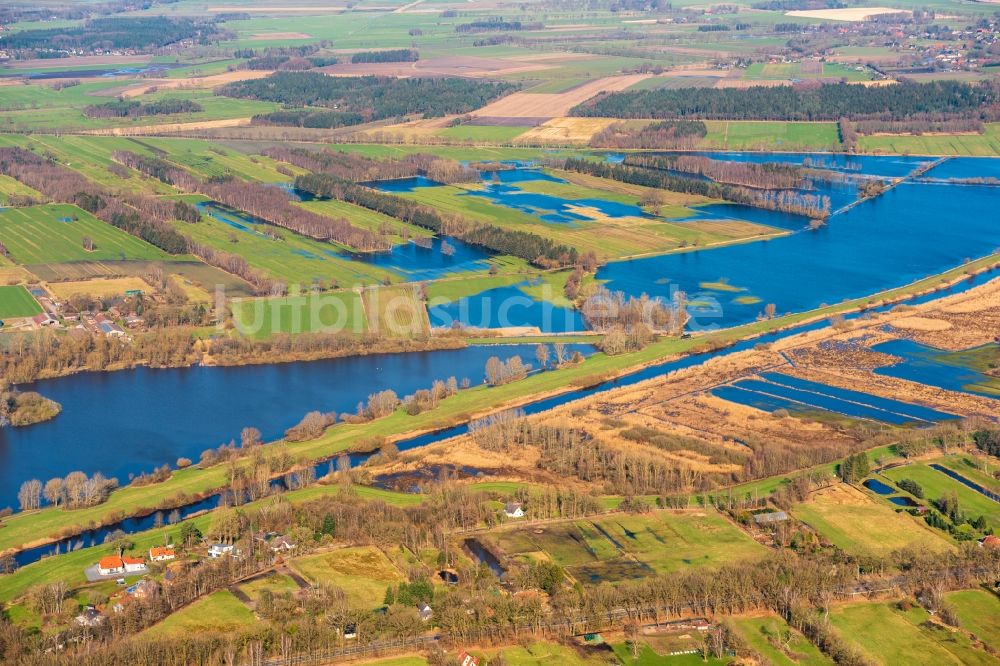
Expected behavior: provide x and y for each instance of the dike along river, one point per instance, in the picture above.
(146, 522)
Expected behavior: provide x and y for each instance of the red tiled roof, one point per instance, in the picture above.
(159, 551)
(133, 560)
(110, 562)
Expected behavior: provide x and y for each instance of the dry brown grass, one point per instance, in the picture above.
(169, 128)
(566, 130)
(194, 82)
(101, 287)
(553, 105)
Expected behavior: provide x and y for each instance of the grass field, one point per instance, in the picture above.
(770, 135)
(634, 546)
(482, 133)
(858, 524)
(937, 484)
(289, 257)
(891, 636)
(219, 611)
(975, 145)
(979, 612)
(363, 573)
(274, 582)
(13, 187)
(779, 644)
(364, 218)
(54, 233)
(332, 311)
(15, 301)
(542, 653)
(396, 311)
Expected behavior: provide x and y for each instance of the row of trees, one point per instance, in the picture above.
(135, 109)
(663, 134)
(138, 34)
(764, 175)
(806, 101)
(75, 491)
(652, 171)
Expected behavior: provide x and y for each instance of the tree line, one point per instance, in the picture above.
(807, 101)
(653, 171)
(371, 97)
(140, 34)
(388, 55)
(663, 134)
(136, 109)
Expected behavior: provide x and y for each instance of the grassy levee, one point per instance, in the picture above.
(46, 524)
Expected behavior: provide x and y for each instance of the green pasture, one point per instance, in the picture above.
(12, 187)
(890, 636)
(482, 133)
(330, 311)
(937, 484)
(54, 233)
(220, 611)
(771, 637)
(770, 135)
(365, 219)
(973, 145)
(15, 301)
(858, 524)
(274, 582)
(286, 256)
(978, 611)
(362, 572)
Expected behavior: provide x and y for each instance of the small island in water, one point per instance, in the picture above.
(24, 408)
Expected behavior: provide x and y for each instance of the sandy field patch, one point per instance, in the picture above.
(195, 82)
(261, 36)
(542, 105)
(170, 127)
(100, 288)
(566, 130)
(846, 14)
